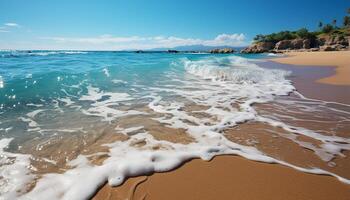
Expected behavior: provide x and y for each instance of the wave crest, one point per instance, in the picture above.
(234, 69)
(16, 54)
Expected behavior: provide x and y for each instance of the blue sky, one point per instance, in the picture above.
(116, 24)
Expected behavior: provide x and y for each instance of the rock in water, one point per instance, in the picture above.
(224, 50)
(172, 51)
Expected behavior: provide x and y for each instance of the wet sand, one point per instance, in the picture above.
(306, 80)
(339, 59)
(233, 177)
(229, 177)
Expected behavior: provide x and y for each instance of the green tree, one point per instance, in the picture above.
(346, 21)
(303, 33)
(259, 38)
(327, 28)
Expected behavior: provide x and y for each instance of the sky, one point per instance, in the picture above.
(147, 24)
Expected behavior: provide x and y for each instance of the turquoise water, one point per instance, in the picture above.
(41, 79)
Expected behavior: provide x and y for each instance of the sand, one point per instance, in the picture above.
(233, 177)
(229, 177)
(306, 80)
(339, 59)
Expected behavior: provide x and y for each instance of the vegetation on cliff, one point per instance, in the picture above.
(328, 37)
(330, 29)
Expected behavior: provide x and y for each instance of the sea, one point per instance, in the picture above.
(70, 121)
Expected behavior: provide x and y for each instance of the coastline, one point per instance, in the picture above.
(339, 59)
(305, 80)
(234, 177)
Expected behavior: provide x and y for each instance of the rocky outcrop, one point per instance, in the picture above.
(337, 40)
(307, 44)
(328, 43)
(297, 44)
(327, 48)
(314, 49)
(334, 43)
(335, 47)
(293, 44)
(283, 45)
(224, 50)
(259, 47)
(320, 42)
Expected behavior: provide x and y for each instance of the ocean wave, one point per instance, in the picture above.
(17, 54)
(235, 69)
(275, 55)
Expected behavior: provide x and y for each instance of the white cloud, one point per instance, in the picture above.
(7, 27)
(11, 24)
(109, 42)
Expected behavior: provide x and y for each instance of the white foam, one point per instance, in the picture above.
(34, 113)
(238, 70)
(227, 88)
(1, 82)
(106, 108)
(116, 81)
(15, 172)
(128, 131)
(67, 101)
(55, 52)
(105, 70)
(33, 125)
(126, 160)
(275, 55)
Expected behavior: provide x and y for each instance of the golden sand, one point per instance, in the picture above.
(339, 59)
(229, 177)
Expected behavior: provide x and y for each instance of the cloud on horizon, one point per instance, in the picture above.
(7, 26)
(109, 42)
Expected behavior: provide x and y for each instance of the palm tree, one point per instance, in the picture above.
(348, 11)
(346, 21)
(320, 24)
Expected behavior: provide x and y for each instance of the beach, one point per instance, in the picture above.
(228, 177)
(338, 59)
(134, 100)
(232, 177)
(207, 125)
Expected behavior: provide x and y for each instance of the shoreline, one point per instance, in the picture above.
(305, 80)
(228, 177)
(338, 59)
(223, 176)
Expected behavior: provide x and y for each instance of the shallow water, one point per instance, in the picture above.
(73, 120)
